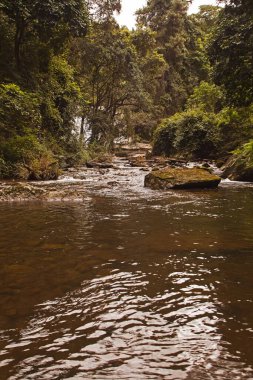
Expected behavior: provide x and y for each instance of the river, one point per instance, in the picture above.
(130, 283)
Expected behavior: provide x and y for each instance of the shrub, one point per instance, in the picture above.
(236, 127)
(192, 134)
(164, 138)
(6, 169)
(27, 158)
(246, 151)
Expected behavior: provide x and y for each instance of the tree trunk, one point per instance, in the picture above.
(82, 127)
(20, 28)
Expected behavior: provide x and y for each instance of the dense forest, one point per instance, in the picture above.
(184, 82)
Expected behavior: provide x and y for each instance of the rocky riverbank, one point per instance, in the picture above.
(121, 173)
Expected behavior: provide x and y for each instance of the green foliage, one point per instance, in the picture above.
(246, 151)
(236, 127)
(207, 97)
(22, 149)
(240, 165)
(25, 157)
(231, 52)
(44, 21)
(53, 68)
(7, 33)
(206, 128)
(177, 39)
(191, 134)
(19, 111)
(75, 152)
(164, 138)
(6, 170)
(203, 134)
(117, 72)
(60, 96)
(102, 10)
(207, 18)
(141, 125)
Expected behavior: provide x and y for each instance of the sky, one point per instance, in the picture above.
(130, 6)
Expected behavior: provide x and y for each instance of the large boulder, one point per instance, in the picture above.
(181, 178)
(238, 168)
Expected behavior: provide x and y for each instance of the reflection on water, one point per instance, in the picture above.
(155, 288)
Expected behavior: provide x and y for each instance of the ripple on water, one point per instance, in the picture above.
(142, 286)
(111, 329)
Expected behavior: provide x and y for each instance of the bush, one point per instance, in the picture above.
(164, 138)
(6, 169)
(75, 152)
(246, 151)
(236, 127)
(239, 167)
(192, 134)
(21, 149)
(27, 158)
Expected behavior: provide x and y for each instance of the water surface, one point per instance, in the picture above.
(128, 285)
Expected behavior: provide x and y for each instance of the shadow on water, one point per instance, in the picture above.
(156, 287)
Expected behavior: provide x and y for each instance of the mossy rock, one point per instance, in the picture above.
(181, 178)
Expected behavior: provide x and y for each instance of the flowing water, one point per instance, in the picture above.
(128, 284)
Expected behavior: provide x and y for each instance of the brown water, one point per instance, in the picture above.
(139, 285)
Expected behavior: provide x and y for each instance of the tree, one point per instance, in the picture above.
(103, 9)
(177, 42)
(231, 52)
(207, 17)
(44, 19)
(60, 98)
(207, 97)
(19, 112)
(111, 73)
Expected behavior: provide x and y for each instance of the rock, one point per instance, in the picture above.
(177, 162)
(149, 155)
(20, 192)
(206, 165)
(138, 161)
(181, 178)
(127, 150)
(221, 162)
(238, 168)
(72, 170)
(80, 176)
(121, 154)
(113, 183)
(139, 147)
(49, 172)
(161, 161)
(99, 165)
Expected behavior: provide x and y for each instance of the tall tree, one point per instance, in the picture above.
(103, 9)
(111, 77)
(176, 42)
(231, 51)
(44, 18)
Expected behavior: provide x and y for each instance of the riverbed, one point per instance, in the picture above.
(128, 283)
